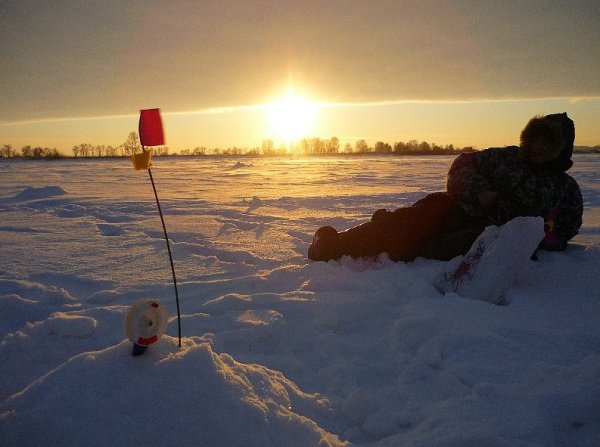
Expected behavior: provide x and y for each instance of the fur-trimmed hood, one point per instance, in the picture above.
(558, 133)
(563, 162)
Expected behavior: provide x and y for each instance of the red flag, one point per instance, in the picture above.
(151, 130)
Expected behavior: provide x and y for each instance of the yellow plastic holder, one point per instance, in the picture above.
(142, 160)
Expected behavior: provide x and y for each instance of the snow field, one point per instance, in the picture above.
(277, 350)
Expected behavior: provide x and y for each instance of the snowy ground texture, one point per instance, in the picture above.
(277, 350)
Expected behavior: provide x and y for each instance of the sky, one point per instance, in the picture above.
(469, 73)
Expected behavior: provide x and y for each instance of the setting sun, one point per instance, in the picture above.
(292, 117)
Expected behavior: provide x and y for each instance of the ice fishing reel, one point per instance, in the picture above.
(145, 323)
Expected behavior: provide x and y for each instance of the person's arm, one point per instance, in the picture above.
(486, 198)
(564, 221)
(467, 184)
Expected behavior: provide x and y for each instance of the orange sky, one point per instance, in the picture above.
(464, 72)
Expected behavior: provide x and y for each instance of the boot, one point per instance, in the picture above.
(325, 245)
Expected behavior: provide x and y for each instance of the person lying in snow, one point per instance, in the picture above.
(483, 188)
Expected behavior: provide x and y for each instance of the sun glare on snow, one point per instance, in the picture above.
(292, 117)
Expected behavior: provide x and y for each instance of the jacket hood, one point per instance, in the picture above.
(563, 161)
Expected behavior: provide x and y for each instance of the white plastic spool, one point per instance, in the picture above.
(146, 322)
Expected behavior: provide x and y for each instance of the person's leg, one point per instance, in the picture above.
(365, 240)
(400, 233)
(454, 237)
(446, 246)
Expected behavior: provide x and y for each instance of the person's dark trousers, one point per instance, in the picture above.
(404, 234)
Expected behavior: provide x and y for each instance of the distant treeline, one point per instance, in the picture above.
(306, 146)
(319, 146)
(37, 153)
(587, 149)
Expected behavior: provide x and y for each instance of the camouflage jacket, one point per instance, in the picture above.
(523, 190)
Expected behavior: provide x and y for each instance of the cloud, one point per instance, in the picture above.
(61, 61)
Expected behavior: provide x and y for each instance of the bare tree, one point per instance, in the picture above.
(131, 144)
(333, 145)
(7, 151)
(382, 148)
(268, 147)
(362, 147)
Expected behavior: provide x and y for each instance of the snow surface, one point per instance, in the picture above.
(277, 350)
